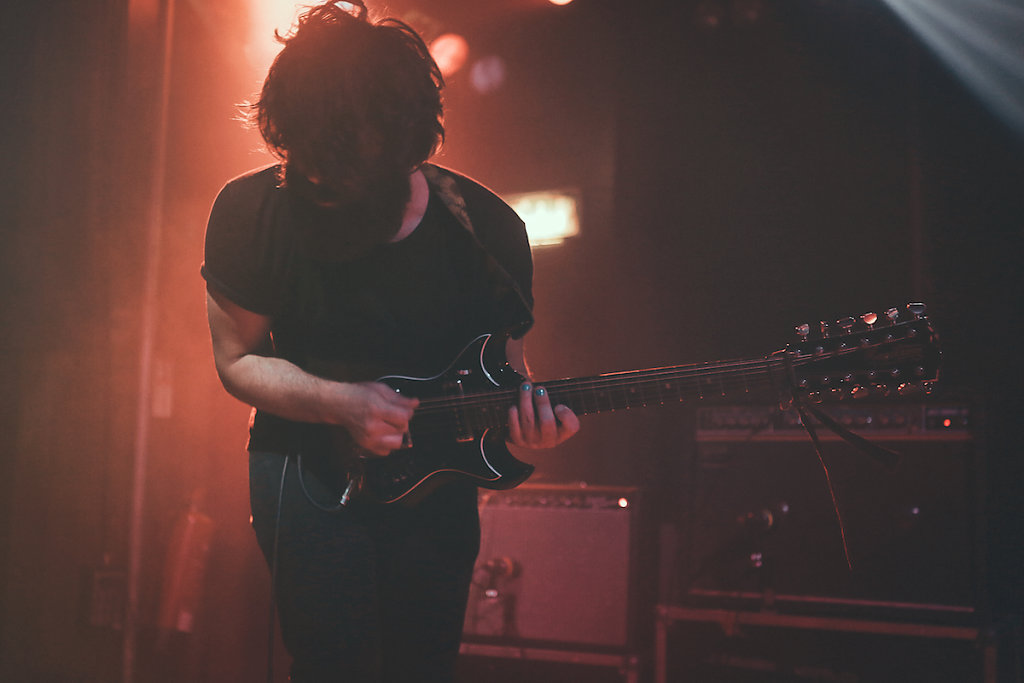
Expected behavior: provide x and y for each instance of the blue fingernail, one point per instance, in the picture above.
(540, 391)
(527, 387)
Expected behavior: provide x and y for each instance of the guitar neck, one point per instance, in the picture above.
(725, 380)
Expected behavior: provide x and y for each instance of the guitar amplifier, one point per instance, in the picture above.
(758, 517)
(556, 566)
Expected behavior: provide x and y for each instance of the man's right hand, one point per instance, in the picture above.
(375, 415)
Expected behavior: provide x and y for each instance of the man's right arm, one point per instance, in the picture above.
(375, 416)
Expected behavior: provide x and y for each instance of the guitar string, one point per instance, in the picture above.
(654, 375)
(478, 411)
(475, 423)
(567, 389)
(492, 411)
(644, 380)
(587, 401)
(489, 410)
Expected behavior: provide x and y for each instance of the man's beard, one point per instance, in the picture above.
(340, 226)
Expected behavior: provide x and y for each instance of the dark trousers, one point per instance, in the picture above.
(370, 593)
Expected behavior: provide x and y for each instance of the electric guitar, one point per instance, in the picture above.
(458, 430)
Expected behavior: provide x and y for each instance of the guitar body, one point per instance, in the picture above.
(447, 443)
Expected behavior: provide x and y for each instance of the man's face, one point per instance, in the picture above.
(352, 215)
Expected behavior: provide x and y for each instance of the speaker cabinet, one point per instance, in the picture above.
(555, 566)
(759, 518)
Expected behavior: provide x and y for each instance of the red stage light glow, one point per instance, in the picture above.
(450, 51)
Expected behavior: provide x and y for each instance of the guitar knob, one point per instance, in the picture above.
(892, 314)
(917, 310)
(869, 319)
(803, 331)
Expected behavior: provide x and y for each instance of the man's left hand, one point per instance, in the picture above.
(534, 423)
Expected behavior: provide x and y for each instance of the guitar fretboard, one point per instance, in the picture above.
(660, 386)
(725, 380)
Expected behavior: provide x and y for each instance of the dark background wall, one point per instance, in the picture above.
(817, 163)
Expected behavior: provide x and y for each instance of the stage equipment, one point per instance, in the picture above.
(759, 517)
(762, 582)
(556, 566)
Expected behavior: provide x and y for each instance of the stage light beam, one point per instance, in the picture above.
(265, 17)
(981, 41)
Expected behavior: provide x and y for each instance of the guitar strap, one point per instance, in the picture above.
(444, 184)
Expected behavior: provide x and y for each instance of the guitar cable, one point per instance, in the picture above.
(272, 615)
(342, 501)
(271, 621)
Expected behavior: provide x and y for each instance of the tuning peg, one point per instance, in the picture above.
(881, 389)
(869, 319)
(824, 329)
(846, 324)
(917, 310)
(905, 389)
(859, 392)
(892, 314)
(803, 331)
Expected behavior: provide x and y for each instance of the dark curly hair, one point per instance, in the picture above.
(349, 100)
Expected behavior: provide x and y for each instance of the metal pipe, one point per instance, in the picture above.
(147, 343)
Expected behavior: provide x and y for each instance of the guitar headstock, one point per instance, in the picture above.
(871, 355)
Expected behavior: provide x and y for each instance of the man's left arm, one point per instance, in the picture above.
(533, 422)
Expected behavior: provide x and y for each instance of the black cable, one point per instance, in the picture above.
(272, 620)
(273, 576)
(337, 507)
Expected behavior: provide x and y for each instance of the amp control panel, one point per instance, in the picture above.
(890, 420)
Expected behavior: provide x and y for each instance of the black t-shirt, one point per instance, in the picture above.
(406, 307)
